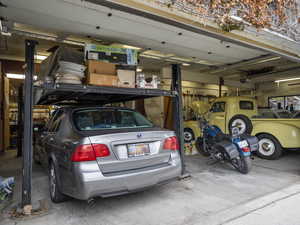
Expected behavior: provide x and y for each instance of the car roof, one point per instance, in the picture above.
(95, 107)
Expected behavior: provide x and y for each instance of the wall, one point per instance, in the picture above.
(194, 87)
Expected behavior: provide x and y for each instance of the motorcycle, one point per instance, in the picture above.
(235, 149)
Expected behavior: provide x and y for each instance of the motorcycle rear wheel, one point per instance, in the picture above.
(242, 164)
(199, 147)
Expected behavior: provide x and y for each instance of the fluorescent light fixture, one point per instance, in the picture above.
(15, 76)
(158, 54)
(186, 64)
(284, 80)
(181, 59)
(204, 62)
(150, 56)
(268, 60)
(18, 76)
(71, 42)
(132, 47)
(40, 57)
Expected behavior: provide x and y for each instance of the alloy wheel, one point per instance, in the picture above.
(52, 180)
(188, 137)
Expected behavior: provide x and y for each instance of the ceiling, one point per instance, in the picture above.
(74, 22)
(67, 17)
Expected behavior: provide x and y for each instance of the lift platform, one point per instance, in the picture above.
(63, 94)
(59, 94)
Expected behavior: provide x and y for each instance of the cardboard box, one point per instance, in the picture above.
(126, 78)
(111, 54)
(99, 67)
(102, 79)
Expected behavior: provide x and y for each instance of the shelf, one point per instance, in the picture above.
(62, 94)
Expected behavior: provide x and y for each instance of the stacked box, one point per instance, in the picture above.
(123, 56)
(101, 73)
(110, 66)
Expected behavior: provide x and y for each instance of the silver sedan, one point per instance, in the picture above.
(105, 151)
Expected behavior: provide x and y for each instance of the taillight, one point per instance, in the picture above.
(246, 149)
(89, 152)
(101, 150)
(83, 153)
(171, 143)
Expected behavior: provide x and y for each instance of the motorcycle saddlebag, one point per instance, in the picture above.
(229, 148)
(252, 141)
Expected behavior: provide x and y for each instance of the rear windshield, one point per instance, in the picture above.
(99, 119)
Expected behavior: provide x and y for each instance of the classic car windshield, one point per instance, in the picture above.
(98, 119)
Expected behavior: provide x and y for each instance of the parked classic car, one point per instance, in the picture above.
(105, 151)
(274, 134)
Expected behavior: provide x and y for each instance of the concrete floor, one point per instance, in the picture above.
(216, 194)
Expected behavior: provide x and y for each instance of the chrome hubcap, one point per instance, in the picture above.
(239, 123)
(266, 147)
(187, 136)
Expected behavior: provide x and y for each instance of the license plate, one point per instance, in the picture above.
(243, 144)
(138, 150)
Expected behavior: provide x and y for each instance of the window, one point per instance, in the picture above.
(246, 105)
(291, 103)
(218, 107)
(99, 119)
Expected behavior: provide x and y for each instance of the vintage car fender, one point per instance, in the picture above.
(194, 125)
(288, 135)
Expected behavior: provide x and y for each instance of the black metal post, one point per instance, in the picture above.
(221, 83)
(177, 110)
(27, 138)
(20, 120)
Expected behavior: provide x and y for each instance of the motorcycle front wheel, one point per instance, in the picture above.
(242, 164)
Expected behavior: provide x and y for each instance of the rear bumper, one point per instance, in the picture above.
(90, 182)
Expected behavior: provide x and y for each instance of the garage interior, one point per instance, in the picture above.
(270, 77)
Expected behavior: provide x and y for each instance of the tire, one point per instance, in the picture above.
(245, 124)
(268, 147)
(242, 164)
(55, 194)
(199, 147)
(188, 135)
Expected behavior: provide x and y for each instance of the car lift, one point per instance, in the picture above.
(53, 94)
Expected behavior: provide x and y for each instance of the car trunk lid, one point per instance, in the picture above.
(120, 160)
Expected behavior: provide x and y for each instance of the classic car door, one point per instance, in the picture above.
(217, 115)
